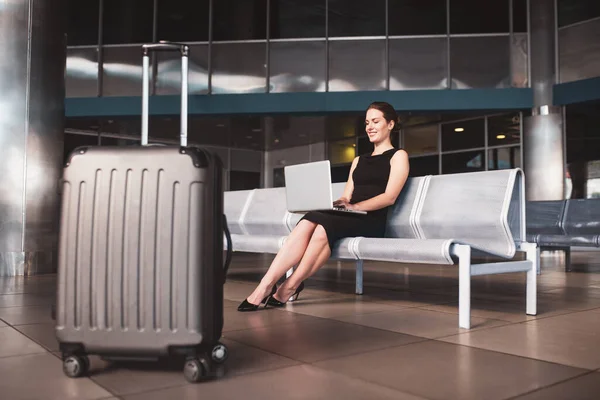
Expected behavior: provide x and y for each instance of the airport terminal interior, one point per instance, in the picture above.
(478, 86)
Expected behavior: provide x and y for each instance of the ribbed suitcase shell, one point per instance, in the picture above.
(141, 251)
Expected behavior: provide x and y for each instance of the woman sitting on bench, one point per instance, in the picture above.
(374, 183)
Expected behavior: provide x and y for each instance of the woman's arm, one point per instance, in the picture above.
(399, 168)
(349, 188)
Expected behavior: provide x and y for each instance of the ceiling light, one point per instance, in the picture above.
(276, 140)
(249, 137)
(501, 137)
(459, 129)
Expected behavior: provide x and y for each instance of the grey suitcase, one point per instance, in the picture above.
(141, 268)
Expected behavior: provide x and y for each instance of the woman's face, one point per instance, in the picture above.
(377, 128)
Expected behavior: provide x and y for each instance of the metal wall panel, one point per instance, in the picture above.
(357, 65)
(418, 63)
(297, 66)
(122, 71)
(82, 72)
(579, 51)
(480, 62)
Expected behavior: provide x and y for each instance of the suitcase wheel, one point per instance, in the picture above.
(219, 353)
(195, 369)
(76, 366)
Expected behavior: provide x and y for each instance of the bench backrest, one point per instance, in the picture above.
(582, 217)
(564, 217)
(545, 217)
(485, 209)
(401, 216)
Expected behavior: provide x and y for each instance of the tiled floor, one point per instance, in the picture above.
(399, 340)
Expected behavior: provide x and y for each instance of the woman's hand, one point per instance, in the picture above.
(345, 204)
(342, 202)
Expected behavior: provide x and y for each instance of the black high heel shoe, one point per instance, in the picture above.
(273, 302)
(247, 306)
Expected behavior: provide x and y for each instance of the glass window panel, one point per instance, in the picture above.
(519, 16)
(297, 19)
(519, 60)
(504, 158)
(122, 71)
(463, 135)
(418, 63)
(239, 68)
(421, 166)
(417, 17)
(82, 22)
(344, 126)
(470, 161)
(297, 67)
(81, 78)
(573, 11)
(341, 152)
(168, 77)
(477, 16)
(504, 129)
(421, 139)
(239, 19)
(348, 70)
(356, 18)
(278, 177)
(579, 51)
(127, 21)
(480, 62)
(183, 20)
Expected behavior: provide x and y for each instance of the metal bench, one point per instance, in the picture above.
(561, 224)
(445, 219)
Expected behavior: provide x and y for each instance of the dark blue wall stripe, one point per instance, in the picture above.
(577, 92)
(305, 103)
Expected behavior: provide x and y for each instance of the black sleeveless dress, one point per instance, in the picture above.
(370, 179)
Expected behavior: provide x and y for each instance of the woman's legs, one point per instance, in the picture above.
(315, 256)
(289, 255)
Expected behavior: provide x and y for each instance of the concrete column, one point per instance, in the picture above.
(32, 91)
(543, 144)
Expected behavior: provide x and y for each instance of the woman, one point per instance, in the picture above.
(374, 183)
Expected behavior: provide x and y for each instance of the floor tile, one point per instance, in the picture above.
(320, 339)
(502, 310)
(418, 322)
(570, 339)
(336, 306)
(26, 315)
(24, 300)
(41, 377)
(585, 387)
(299, 382)
(126, 377)
(43, 334)
(14, 343)
(235, 320)
(437, 370)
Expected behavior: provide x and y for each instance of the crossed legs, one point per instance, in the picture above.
(307, 247)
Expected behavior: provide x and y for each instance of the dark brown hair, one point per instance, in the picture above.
(388, 112)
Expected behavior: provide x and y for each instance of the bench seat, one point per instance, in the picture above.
(442, 219)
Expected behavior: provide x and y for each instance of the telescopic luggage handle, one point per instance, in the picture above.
(165, 46)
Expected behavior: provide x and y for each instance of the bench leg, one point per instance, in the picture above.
(464, 286)
(568, 259)
(359, 277)
(289, 272)
(533, 255)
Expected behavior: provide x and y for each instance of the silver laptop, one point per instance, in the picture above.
(308, 188)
